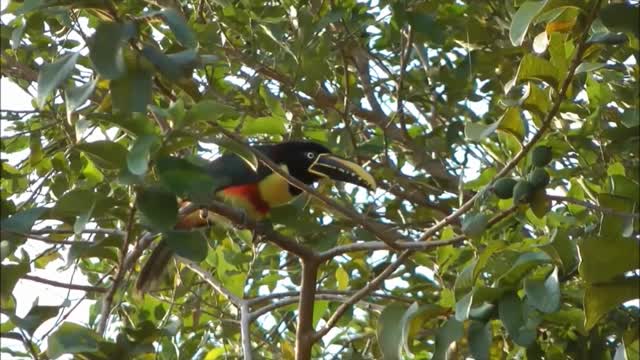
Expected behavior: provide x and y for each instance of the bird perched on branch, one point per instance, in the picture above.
(257, 191)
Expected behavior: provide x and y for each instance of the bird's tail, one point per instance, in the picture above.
(158, 261)
(155, 266)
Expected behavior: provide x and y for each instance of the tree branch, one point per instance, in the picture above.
(215, 284)
(239, 218)
(87, 288)
(592, 206)
(305, 331)
(245, 327)
(293, 299)
(108, 299)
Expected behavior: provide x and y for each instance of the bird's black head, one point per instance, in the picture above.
(309, 162)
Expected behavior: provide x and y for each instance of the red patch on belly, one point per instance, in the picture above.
(250, 193)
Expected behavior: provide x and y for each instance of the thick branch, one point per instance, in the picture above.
(305, 331)
(245, 333)
(239, 218)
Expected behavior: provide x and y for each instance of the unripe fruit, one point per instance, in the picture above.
(503, 188)
(522, 191)
(539, 178)
(541, 156)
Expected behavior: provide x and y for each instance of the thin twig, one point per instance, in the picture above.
(206, 276)
(87, 288)
(108, 299)
(294, 299)
(592, 206)
(404, 59)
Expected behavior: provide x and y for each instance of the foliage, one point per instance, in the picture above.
(438, 99)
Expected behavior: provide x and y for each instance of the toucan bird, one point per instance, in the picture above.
(257, 191)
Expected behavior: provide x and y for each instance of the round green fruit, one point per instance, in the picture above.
(541, 156)
(522, 191)
(503, 188)
(539, 178)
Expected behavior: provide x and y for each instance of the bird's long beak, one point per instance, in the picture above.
(333, 167)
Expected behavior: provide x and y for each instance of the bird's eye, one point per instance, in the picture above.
(311, 155)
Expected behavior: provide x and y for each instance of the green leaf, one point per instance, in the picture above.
(451, 331)
(36, 316)
(188, 244)
(510, 309)
(268, 125)
(83, 218)
(282, 44)
(72, 338)
(478, 131)
(536, 100)
(604, 258)
(76, 96)
(11, 273)
(427, 27)
(621, 352)
(208, 110)
(17, 34)
(131, 92)
(158, 208)
(185, 178)
(588, 67)
(106, 154)
(179, 27)
(319, 309)
(74, 202)
(631, 117)
(21, 222)
(173, 66)
(621, 16)
(245, 154)
(522, 19)
(540, 204)
(106, 48)
(479, 337)
(413, 320)
(535, 68)
(390, 331)
(140, 154)
(473, 225)
(463, 306)
(466, 279)
(342, 278)
(603, 297)
(85, 250)
(512, 122)
(544, 294)
(565, 249)
(525, 263)
(52, 75)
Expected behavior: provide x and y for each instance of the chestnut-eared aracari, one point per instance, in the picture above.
(257, 191)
